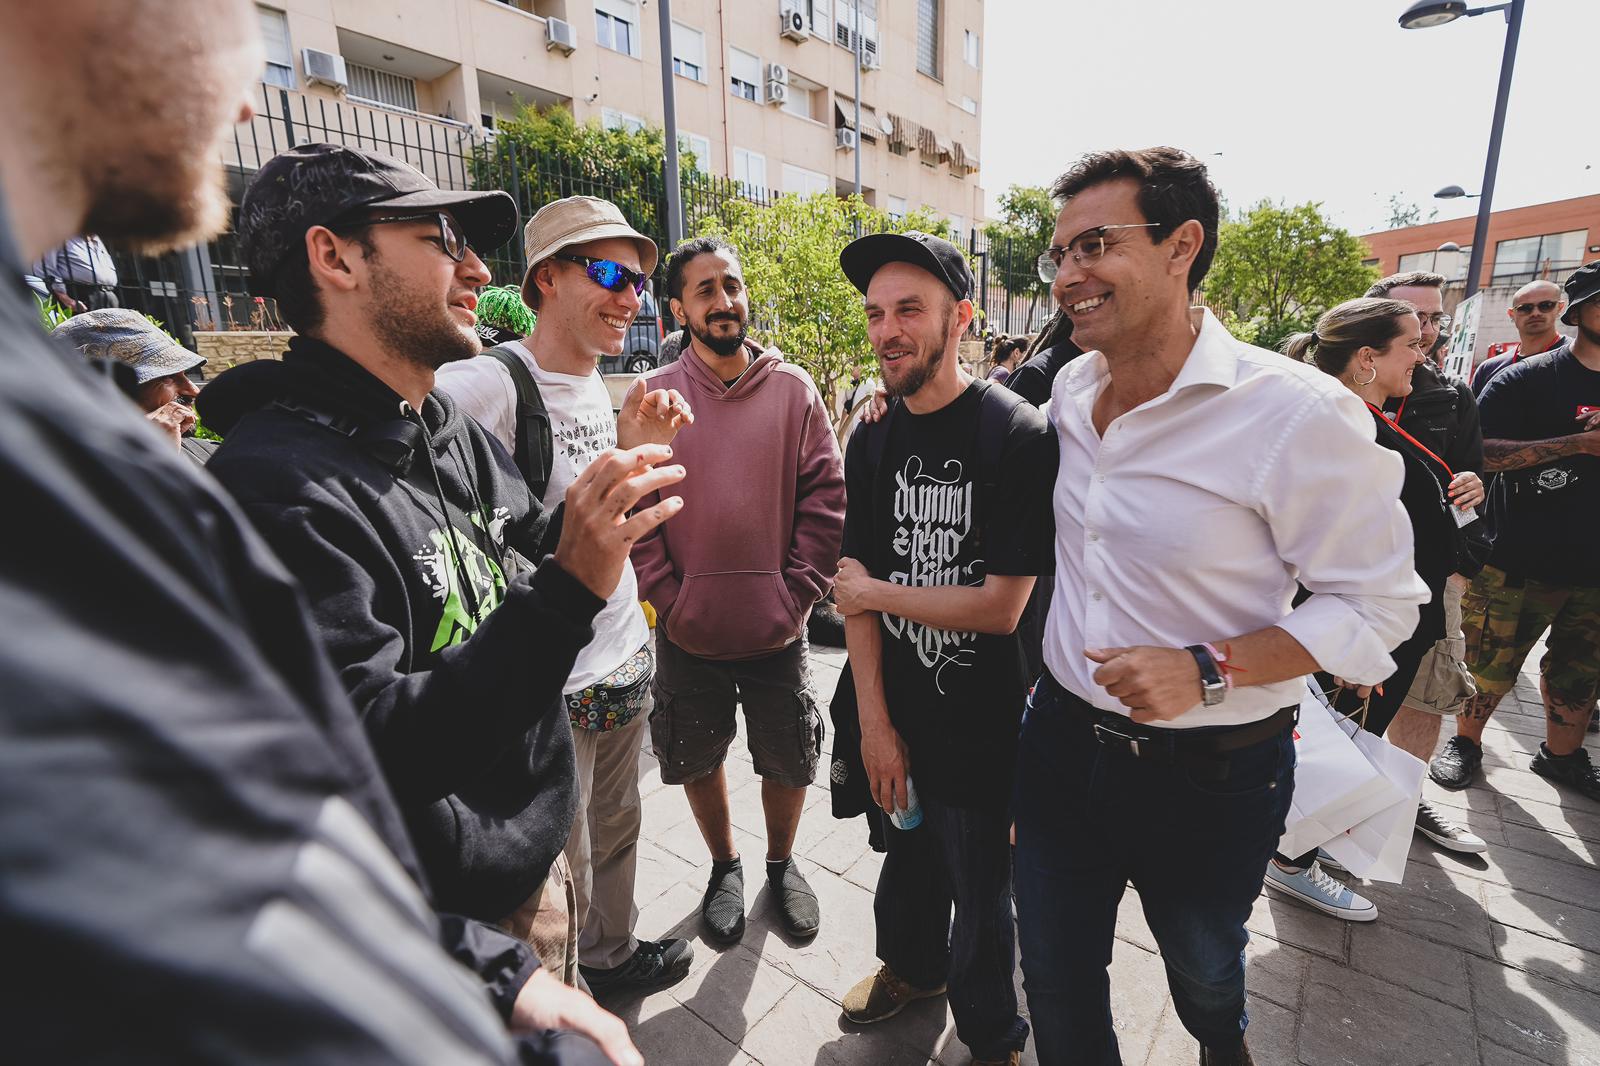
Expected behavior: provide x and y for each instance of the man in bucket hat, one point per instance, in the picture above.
(586, 269)
(161, 385)
(412, 531)
(1541, 431)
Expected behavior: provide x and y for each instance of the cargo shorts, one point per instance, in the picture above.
(696, 702)
(1502, 617)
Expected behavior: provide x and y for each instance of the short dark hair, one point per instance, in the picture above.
(1423, 278)
(299, 302)
(1173, 188)
(685, 252)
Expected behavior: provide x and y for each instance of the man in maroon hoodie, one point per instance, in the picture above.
(734, 581)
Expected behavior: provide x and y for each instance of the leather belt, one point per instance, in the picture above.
(1171, 745)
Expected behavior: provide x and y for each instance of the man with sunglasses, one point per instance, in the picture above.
(412, 531)
(1199, 478)
(1534, 311)
(587, 268)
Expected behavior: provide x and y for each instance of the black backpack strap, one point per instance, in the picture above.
(535, 448)
(995, 406)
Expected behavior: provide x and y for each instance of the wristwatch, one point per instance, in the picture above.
(1213, 686)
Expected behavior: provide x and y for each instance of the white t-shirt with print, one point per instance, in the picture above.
(582, 425)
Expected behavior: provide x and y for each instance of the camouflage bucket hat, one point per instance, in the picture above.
(129, 338)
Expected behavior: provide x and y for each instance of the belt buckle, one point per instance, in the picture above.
(1108, 736)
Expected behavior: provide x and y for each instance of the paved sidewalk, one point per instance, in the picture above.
(1489, 960)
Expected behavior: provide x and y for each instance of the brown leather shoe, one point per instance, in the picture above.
(883, 995)
(1013, 1059)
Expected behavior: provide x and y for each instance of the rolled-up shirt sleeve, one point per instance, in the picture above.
(1331, 495)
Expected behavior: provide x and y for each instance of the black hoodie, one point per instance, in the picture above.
(453, 650)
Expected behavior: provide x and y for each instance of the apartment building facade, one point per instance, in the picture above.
(764, 89)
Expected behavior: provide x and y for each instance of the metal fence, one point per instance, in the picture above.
(207, 287)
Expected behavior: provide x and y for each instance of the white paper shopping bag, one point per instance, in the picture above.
(1376, 848)
(1336, 786)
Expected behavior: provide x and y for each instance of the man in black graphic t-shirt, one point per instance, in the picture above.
(947, 523)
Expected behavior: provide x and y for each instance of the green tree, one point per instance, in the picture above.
(1403, 213)
(800, 300)
(1023, 230)
(1277, 268)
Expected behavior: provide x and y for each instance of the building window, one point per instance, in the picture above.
(1453, 265)
(803, 182)
(897, 208)
(744, 74)
(928, 37)
(819, 16)
(969, 49)
(969, 105)
(280, 57)
(616, 26)
(750, 171)
(382, 87)
(688, 52)
(802, 97)
(1531, 258)
(844, 14)
(958, 231)
(697, 146)
(613, 119)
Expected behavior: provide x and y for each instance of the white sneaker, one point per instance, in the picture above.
(1445, 833)
(1315, 888)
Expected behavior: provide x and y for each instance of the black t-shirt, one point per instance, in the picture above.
(1549, 514)
(931, 515)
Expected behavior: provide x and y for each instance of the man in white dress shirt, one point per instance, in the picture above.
(1200, 480)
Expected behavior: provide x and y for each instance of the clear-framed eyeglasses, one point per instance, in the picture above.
(1086, 248)
(1440, 320)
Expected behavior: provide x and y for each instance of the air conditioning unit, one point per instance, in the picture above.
(869, 55)
(844, 138)
(559, 34)
(778, 72)
(792, 24)
(324, 68)
(777, 93)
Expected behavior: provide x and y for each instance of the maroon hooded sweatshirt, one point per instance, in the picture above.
(735, 573)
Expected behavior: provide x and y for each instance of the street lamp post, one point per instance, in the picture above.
(669, 118)
(1426, 13)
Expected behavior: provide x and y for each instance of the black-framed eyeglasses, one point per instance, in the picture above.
(607, 273)
(1544, 306)
(451, 236)
(1086, 249)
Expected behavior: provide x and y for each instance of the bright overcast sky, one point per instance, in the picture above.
(1326, 100)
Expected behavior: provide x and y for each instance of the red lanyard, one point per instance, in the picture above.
(1401, 430)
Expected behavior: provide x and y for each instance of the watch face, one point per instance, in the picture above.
(1213, 694)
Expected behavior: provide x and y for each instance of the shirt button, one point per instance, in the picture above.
(1102, 477)
(1097, 596)
(1094, 536)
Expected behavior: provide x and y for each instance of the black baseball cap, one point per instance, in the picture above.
(863, 257)
(1582, 284)
(317, 184)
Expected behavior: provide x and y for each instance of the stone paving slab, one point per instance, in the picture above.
(1487, 960)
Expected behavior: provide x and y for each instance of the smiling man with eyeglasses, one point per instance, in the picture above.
(1535, 309)
(1199, 479)
(453, 603)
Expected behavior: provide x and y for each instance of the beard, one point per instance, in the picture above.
(414, 325)
(722, 345)
(158, 201)
(928, 362)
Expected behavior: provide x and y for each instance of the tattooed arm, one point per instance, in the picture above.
(1519, 454)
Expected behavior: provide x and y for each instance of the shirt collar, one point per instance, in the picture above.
(1213, 360)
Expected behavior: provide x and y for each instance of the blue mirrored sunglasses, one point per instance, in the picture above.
(606, 273)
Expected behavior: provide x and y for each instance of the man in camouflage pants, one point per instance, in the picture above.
(1541, 430)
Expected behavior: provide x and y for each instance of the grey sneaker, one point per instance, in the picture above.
(1445, 833)
(1457, 764)
(1315, 888)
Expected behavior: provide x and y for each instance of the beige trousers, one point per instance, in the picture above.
(603, 849)
(548, 922)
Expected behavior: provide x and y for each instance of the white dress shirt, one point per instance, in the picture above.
(1195, 515)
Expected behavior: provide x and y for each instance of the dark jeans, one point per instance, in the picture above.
(1091, 818)
(956, 856)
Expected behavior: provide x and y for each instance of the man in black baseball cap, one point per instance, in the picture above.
(946, 525)
(414, 533)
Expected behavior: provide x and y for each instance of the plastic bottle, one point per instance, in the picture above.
(909, 816)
